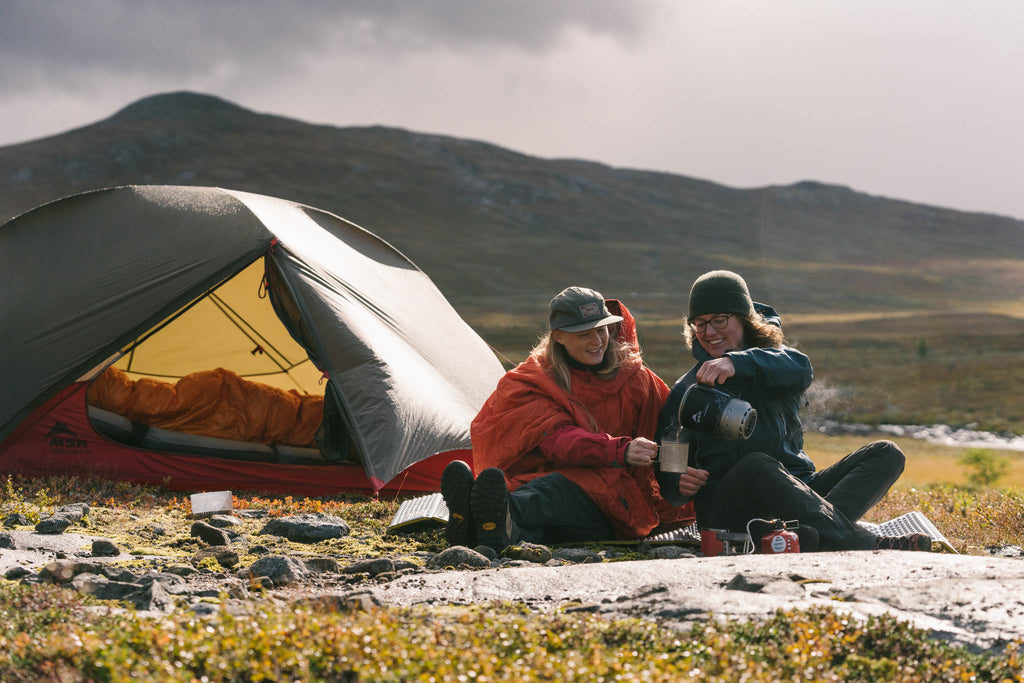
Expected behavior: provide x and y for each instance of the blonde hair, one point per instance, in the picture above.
(555, 359)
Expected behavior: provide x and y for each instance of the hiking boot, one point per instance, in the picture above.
(456, 487)
(919, 542)
(489, 505)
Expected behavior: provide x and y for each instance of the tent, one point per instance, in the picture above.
(179, 290)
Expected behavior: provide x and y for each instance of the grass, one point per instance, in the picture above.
(908, 367)
(927, 464)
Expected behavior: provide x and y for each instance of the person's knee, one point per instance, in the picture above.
(892, 456)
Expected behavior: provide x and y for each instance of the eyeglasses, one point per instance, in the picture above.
(718, 322)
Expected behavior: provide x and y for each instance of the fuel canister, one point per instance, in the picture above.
(780, 540)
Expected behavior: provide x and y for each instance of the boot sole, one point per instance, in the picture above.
(489, 507)
(456, 489)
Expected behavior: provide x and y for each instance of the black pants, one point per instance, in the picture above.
(831, 501)
(552, 509)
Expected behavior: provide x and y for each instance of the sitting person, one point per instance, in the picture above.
(740, 348)
(564, 446)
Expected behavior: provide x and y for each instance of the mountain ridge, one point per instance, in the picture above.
(499, 229)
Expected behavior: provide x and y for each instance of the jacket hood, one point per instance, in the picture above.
(627, 328)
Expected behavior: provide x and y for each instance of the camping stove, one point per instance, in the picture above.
(723, 542)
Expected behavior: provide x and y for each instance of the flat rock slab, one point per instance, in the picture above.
(33, 550)
(969, 600)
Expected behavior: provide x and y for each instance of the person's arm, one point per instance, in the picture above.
(782, 369)
(571, 445)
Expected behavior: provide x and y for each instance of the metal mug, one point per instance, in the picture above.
(673, 456)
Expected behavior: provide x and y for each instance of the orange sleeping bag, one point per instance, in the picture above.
(215, 403)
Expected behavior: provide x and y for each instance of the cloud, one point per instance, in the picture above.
(46, 45)
(920, 99)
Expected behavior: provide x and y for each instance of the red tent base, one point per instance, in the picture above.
(58, 440)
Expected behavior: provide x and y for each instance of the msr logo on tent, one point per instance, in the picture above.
(62, 438)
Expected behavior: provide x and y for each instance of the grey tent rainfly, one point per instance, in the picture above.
(164, 289)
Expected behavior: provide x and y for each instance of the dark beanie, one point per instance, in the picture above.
(720, 291)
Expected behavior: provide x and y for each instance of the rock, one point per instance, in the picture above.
(487, 551)
(75, 512)
(224, 521)
(15, 573)
(764, 583)
(322, 565)
(373, 567)
(236, 589)
(311, 528)
(101, 547)
(153, 598)
(280, 569)
(576, 555)
(458, 556)
(63, 517)
(115, 573)
(356, 601)
(7, 542)
(102, 588)
(16, 519)
(210, 535)
(53, 525)
(182, 569)
(528, 552)
(668, 552)
(63, 571)
(172, 583)
(260, 582)
(403, 565)
(224, 556)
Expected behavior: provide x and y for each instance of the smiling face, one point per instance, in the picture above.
(717, 341)
(585, 347)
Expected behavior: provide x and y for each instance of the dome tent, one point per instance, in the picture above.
(141, 277)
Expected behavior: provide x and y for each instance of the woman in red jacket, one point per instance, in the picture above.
(563, 447)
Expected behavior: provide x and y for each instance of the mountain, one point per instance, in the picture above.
(501, 231)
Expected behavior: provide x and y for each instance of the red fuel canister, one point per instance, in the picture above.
(780, 540)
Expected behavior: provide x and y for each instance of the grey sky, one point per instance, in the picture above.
(912, 99)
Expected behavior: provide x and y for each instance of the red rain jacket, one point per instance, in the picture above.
(530, 427)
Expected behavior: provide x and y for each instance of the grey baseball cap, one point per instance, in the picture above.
(576, 309)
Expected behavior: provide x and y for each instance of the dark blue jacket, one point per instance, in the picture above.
(773, 381)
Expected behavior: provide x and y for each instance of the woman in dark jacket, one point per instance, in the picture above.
(739, 348)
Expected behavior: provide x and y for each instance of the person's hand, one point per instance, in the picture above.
(716, 371)
(641, 452)
(691, 481)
